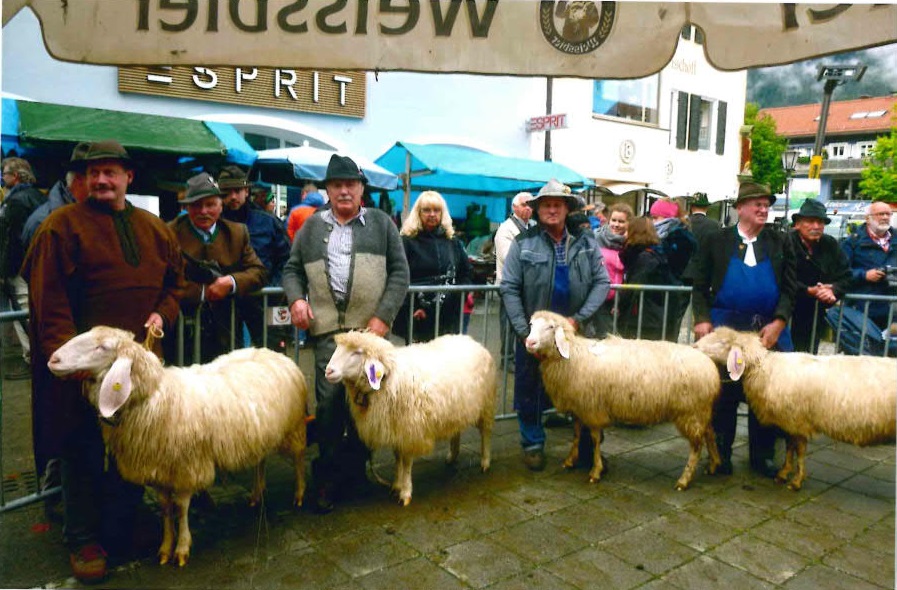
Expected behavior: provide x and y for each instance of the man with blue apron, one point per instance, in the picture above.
(745, 279)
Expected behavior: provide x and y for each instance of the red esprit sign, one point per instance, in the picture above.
(546, 123)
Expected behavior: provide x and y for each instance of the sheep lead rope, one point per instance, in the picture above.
(153, 333)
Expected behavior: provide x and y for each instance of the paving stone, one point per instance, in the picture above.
(428, 529)
(646, 550)
(417, 573)
(589, 521)
(692, 530)
(365, 551)
(706, 572)
(809, 542)
(725, 509)
(872, 566)
(487, 512)
(880, 536)
(596, 568)
(759, 558)
(537, 499)
(538, 578)
(870, 486)
(821, 577)
(481, 563)
(882, 471)
(537, 540)
(852, 462)
(870, 509)
(831, 521)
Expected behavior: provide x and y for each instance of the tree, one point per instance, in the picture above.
(766, 149)
(878, 180)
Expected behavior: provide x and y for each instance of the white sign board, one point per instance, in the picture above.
(507, 37)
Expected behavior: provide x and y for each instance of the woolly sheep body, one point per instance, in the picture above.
(634, 381)
(847, 398)
(431, 391)
(179, 425)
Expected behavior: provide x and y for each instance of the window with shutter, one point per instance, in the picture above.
(681, 120)
(721, 128)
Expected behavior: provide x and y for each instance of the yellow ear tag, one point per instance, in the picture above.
(117, 386)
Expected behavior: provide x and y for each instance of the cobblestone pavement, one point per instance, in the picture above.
(509, 528)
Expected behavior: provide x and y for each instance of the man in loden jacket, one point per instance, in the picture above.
(347, 271)
(220, 265)
(548, 267)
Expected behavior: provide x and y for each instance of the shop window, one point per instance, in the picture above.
(636, 100)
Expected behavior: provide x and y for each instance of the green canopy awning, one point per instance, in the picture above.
(41, 124)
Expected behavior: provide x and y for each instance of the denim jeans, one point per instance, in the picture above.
(529, 398)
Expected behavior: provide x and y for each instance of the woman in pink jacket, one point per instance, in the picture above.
(610, 239)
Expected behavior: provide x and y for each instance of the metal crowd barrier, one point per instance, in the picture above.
(487, 331)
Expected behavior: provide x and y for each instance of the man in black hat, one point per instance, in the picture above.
(744, 279)
(823, 274)
(347, 271)
(65, 192)
(98, 262)
(701, 225)
(268, 238)
(220, 265)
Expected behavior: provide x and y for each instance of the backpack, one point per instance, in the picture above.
(678, 247)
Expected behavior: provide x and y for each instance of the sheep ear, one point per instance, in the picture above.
(374, 371)
(115, 388)
(560, 340)
(735, 363)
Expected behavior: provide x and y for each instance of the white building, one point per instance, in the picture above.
(677, 131)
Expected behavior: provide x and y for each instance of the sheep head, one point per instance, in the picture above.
(550, 335)
(737, 350)
(359, 360)
(103, 352)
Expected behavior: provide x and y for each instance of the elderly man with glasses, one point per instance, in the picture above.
(871, 252)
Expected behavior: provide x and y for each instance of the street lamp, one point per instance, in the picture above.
(834, 76)
(789, 163)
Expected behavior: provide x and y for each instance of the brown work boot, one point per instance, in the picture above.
(89, 564)
(534, 459)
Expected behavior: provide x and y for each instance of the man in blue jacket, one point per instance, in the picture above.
(548, 267)
(268, 238)
(870, 251)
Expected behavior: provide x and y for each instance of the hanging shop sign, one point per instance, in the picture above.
(328, 92)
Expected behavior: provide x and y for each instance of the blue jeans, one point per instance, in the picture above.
(529, 398)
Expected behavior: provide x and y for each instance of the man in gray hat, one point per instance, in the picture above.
(744, 279)
(98, 262)
(823, 274)
(220, 266)
(347, 271)
(548, 267)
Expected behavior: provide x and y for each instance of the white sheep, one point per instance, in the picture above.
(407, 398)
(631, 381)
(852, 399)
(173, 427)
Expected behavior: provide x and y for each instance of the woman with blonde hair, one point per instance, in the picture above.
(435, 257)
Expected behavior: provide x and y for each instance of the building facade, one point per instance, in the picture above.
(852, 128)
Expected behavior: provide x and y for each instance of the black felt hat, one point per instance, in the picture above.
(343, 168)
(813, 209)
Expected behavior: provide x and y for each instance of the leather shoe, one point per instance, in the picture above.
(765, 467)
(89, 564)
(534, 460)
(724, 467)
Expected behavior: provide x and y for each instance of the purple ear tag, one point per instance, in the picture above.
(372, 372)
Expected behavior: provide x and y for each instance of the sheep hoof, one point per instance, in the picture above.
(681, 487)
(182, 560)
(404, 501)
(594, 479)
(568, 464)
(794, 487)
(780, 480)
(163, 557)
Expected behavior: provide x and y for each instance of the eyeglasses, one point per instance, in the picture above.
(882, 214)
